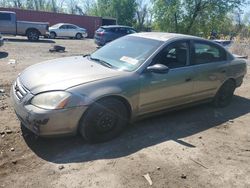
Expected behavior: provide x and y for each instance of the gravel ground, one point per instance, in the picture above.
(195, 147)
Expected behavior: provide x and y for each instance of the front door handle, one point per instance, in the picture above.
(223, 71)
(188, 79)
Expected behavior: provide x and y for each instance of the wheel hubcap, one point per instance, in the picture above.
(105, 122)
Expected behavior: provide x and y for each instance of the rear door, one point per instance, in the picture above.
(161, 91)
(7, 23)
(71, 30)
(112, 34)
(210, 66)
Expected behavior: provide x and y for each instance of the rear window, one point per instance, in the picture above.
(100, 30)
(5, 17)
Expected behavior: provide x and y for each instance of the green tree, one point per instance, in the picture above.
(123, 10)
(193, 16)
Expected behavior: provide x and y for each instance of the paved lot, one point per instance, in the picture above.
(195, 147)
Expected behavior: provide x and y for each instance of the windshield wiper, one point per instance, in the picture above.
(102, 62)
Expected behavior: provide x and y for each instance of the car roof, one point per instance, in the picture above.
(221, 40)
(162, 36)
(60, 24)
(116, 26)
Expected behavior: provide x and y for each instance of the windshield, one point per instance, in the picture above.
(127, 53)
(56, 25)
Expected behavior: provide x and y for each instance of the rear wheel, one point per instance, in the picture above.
(104, 120)
(33, 35)
(224, 96)
(78, 36)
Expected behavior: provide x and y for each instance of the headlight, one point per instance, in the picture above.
(51, 100)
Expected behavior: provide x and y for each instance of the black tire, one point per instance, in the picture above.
(78, 36)
(225, 94)
(52, 35)
(33, 35)
(104, 120)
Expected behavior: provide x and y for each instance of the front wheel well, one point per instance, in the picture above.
(121, 99)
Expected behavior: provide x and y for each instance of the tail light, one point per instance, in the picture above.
(100, 34)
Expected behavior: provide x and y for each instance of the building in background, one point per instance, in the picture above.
(91, 23)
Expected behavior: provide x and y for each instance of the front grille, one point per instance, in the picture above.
(20, 90)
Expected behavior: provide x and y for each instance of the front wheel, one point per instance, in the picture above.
(33, 35)
(104, 120)
(224, 95)
(78, 36)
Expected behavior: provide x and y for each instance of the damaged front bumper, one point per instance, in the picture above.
(45, 122)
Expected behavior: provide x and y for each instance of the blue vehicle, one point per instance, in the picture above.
(106, 34)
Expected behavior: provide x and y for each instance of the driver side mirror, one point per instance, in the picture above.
(158, 68)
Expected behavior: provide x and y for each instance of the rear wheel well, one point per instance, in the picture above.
(32, 29)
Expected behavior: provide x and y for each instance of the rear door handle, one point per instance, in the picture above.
(223, 71)
(188, 79)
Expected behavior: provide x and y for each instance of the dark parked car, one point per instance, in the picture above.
(109, 33)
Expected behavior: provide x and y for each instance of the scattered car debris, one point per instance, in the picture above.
(14, 162)
(200, 137)
(12, 149)
(199, 163)
(2, 90)
(3, 107)
(231, 121)
(12, 62)
(183, 176)
(60, 167)
(158, 168)
(147, 177)
(8, 131)
(57, 48)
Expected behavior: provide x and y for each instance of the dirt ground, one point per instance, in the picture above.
(196, 147)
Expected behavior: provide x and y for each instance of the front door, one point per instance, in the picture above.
(160, 91)
(62, 31)
(7, 23)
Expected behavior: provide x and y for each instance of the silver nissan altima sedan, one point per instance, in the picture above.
(131, 77)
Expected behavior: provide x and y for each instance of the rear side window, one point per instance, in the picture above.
(122, 31)
(207, 53)
(5, 17)
(71, 27)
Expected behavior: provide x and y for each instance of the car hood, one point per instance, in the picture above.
(64, 73)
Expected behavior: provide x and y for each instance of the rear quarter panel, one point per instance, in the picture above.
(237, 69)
(23, 26)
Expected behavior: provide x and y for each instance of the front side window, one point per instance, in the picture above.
(63, 27)
(173, 56)
(5, 17)
(207, 53)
